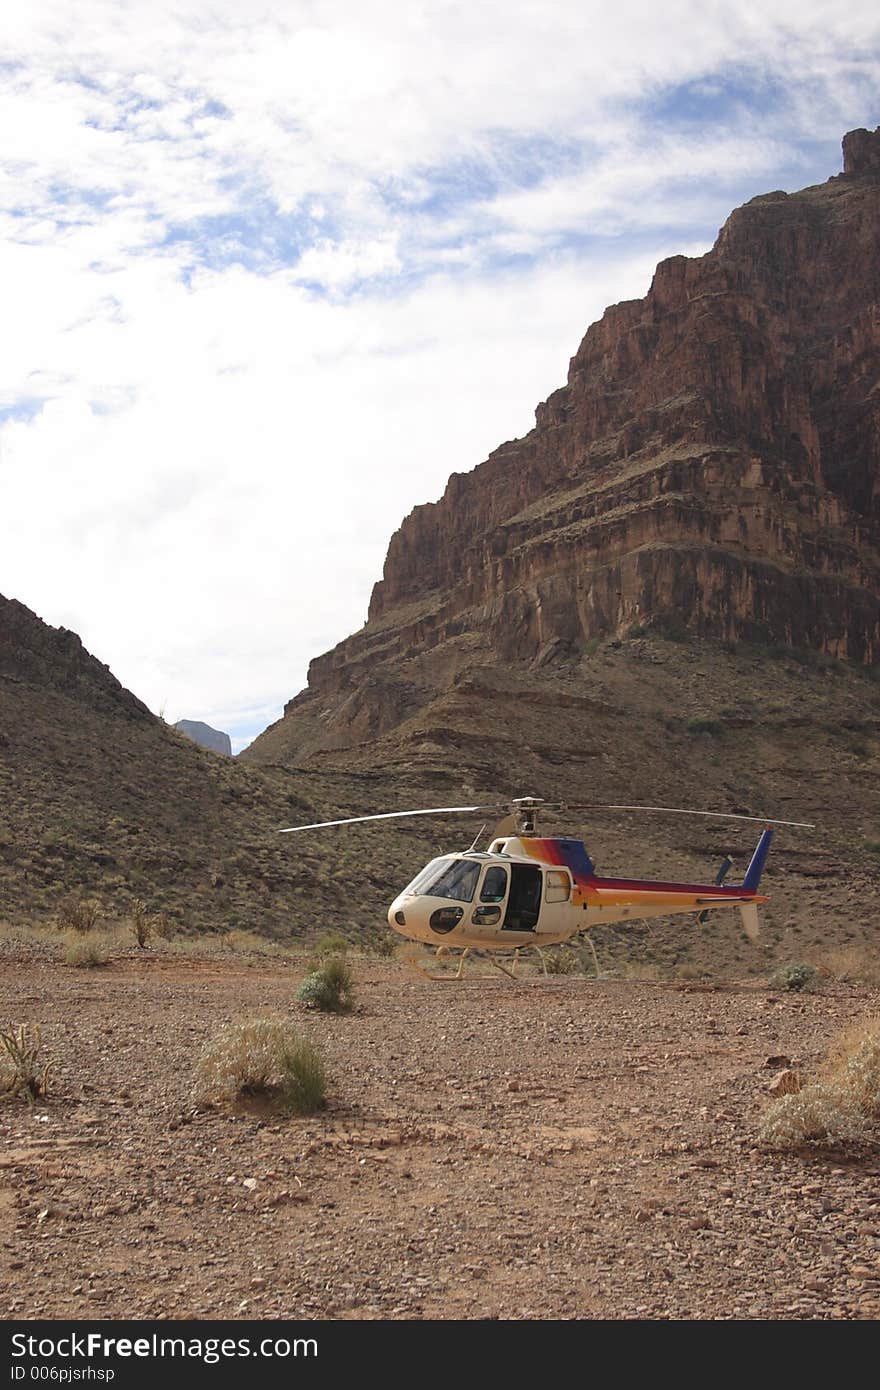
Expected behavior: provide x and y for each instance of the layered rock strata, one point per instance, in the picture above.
(712, 463)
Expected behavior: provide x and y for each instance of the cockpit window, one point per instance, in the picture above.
(447, 878)
(494, 885)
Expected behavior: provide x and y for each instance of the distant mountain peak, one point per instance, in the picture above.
(205, 736)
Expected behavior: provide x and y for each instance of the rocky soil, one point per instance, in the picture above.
(551, 1147)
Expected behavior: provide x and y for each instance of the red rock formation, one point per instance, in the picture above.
(713, 461)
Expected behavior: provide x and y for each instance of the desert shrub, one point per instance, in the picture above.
(850, 964)
(705, 726)
(854, 1066)
(141, 926)
(330, 988)
(796, 977)
(77, 913)
(381, 943)
(163, 926)
(562, 961)
(24, 1070)
(820, 1114)
(332, 943)
(86, 950)
(263, 1057)
(842, 1107)
(240, 940)
(688, 971)
(671, 628)
(646, 970)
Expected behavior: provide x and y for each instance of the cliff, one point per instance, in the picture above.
(712, 463)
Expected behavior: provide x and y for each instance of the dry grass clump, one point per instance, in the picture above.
(819, 1114)
(854, 1066)
(86, 951)
(262, 1057)
(646, 970)
(331, 943)
(330, 988)
(843, 1107)
(849, 964)
(250, 943)
(23, 1068)
(562, 961)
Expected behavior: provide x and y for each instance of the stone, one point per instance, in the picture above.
(787, 1083)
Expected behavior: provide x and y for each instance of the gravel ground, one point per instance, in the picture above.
(533, 1149)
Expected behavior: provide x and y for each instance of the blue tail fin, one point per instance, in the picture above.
(756, 866)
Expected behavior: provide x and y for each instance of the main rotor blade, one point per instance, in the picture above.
(394, 815)
(681, 811)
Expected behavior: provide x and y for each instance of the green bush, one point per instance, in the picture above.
(263, 1057)
(794, 977)
(330, 988)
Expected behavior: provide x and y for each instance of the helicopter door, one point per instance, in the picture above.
(524, 903)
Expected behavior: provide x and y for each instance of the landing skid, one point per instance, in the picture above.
(417, 960)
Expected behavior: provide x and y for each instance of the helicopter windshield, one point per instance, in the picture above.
(447, 878)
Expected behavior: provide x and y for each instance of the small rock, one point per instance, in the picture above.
(816, 1285)
(778, 1060)
(787, 1083)
(249, 1183)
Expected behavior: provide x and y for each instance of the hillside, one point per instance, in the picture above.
(100, 798)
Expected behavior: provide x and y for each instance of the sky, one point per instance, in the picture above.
(271, 272)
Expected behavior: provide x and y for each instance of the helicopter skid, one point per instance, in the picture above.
(442, 953)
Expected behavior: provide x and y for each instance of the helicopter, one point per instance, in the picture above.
(527, 890)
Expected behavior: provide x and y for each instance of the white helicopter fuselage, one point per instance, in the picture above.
(531, 891)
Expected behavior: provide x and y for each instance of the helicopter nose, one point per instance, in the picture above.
(396, 915)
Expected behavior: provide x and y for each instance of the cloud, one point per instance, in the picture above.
(271, 273)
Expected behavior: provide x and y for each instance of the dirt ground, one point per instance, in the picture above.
(551, 1147)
